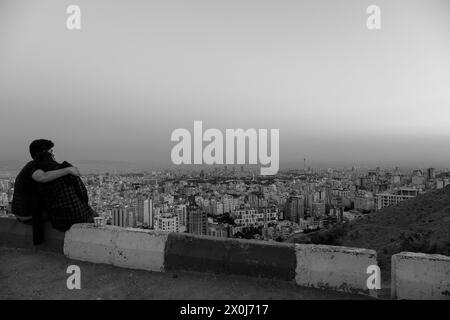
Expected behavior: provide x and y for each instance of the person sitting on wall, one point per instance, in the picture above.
(26, 204)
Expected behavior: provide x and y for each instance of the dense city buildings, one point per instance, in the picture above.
(232, 201)
(393, 198)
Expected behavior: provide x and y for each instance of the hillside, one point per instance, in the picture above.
(421, 224)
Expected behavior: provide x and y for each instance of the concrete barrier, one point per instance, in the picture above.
(86, 243)
(230, 256)
(419, 276)
(140, 249)
(330, 267)
(16, 234)
(325, 267)
(122, 247)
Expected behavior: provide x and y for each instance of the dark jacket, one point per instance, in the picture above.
(25, 198)
(27, 201)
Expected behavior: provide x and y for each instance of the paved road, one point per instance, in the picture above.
(30, 274)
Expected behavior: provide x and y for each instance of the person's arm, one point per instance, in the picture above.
(42, 176)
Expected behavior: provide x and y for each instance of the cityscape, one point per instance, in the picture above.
(236, 202)
(224, 150)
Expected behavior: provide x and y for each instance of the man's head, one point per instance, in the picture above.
(40, 145)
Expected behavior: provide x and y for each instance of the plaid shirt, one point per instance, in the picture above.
(66, 201)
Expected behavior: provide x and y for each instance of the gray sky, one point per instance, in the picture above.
(137, 70)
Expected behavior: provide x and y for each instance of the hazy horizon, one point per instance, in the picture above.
(137, 70)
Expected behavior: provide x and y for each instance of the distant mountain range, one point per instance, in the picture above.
(421, 224)
(12, 167)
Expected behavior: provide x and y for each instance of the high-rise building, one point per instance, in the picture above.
(254, 199)
(181, 212)
(131, 218)
(431, 173)
(119, 217)
(197, 218)
(139, 205)
(148, 212)
(295, 209)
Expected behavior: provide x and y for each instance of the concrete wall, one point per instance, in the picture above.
(420, 276)
(122, 247)
(325, 267)
(19, 235)
(338, 268)
(231, 256)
